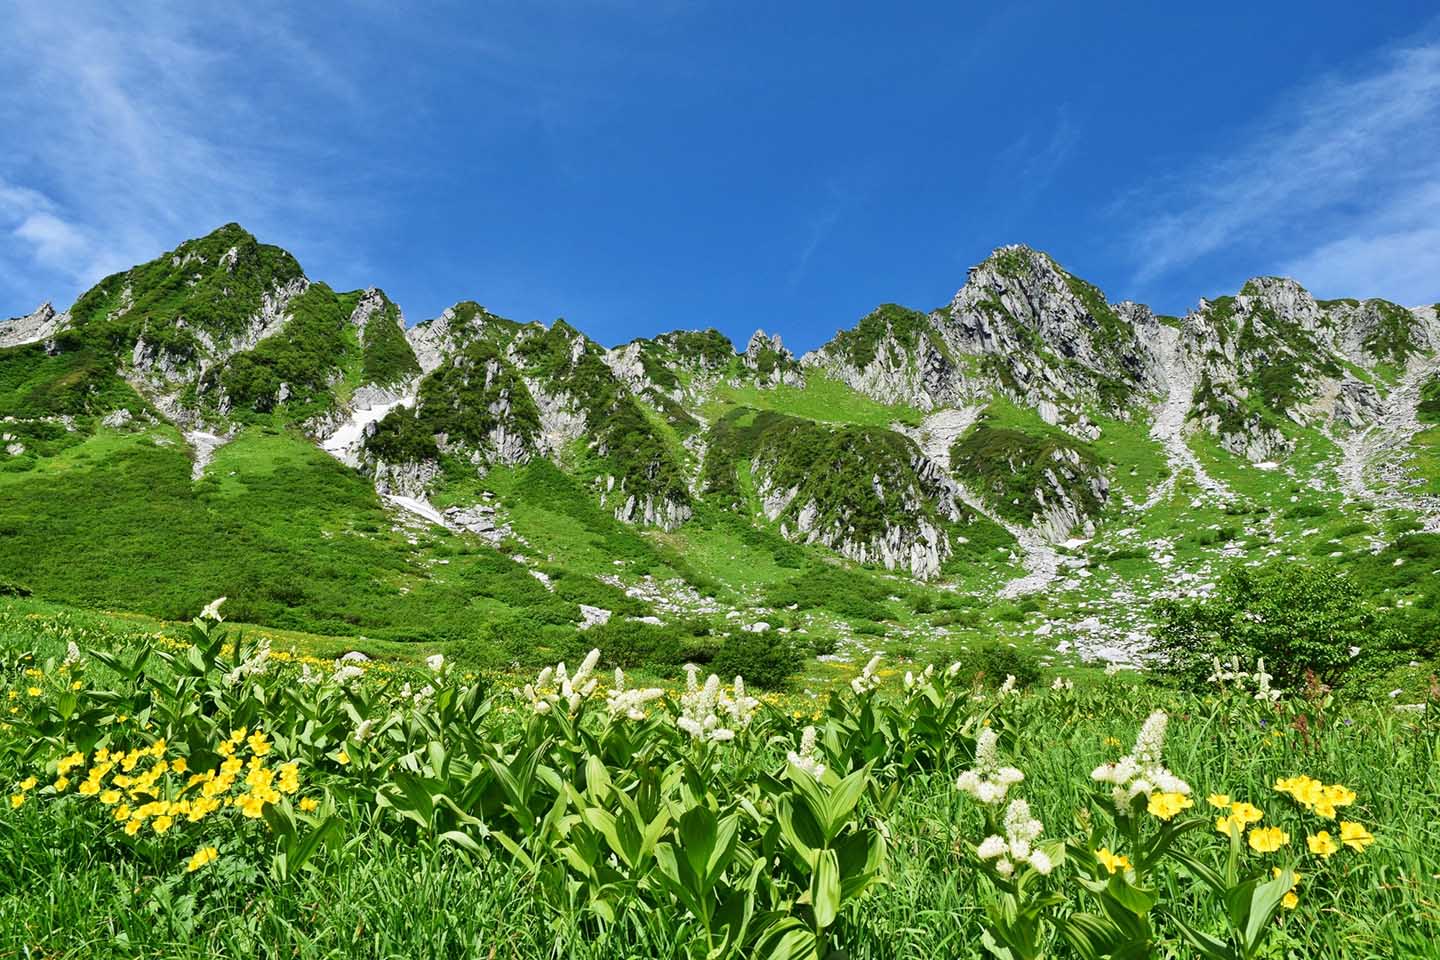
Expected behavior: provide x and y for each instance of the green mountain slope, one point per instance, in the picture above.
(1027, 460)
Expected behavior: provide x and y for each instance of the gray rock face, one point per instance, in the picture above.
(912, 538)
(1047, 334)
(1021, 326)
(653, 511)
(163, 376)
(41, 325)
(772, 363)
(405, 479)
(479, 519)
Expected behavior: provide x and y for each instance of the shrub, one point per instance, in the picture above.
(657, 647)
(763, 659)
(996, 661)
(1297, 617)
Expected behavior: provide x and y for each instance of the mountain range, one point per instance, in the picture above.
(986, 441)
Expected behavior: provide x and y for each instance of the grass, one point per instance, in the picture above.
(821, 398)
(71, 887)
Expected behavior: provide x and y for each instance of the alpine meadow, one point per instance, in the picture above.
(1028, 622)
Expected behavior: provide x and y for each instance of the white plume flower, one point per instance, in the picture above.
(253, 665)
(868, 680)
(807, 758)
(346, 672)
(701, 707)
(629, 702)
(1142, 772)
(988, 781)
(991, 847)
(212, 610)
(554, 686)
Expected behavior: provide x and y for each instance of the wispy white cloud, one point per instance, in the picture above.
(1031, 162)
(1334, 187)
(819, 227)
(129, 129)
(1394, 254)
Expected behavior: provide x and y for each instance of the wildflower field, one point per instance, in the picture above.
(209, 794)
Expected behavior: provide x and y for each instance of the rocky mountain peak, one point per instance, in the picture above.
(42, 324)
(760, 342)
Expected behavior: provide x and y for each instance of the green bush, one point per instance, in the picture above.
(995, 661)
(1299, 618)
(763, 659)
(660, 648)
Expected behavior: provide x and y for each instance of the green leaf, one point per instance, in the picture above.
(1210, 947)
(825, 888)
(1264, 901)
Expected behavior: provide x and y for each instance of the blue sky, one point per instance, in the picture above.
(642, 166)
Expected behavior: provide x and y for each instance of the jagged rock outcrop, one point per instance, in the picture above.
(39, 326)
(1050, 482)
(770, 362)
(896, 356)
(1273, 357)
(865, 492)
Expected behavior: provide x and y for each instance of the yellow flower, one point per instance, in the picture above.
(1289, 901)
(122, 812)
(1268, 839)
(1246, 813)
(226, 749)
(343, 758)
(179, 765)
(258, 744)
(34, 691)
(1294, 876)
(1322, 844)
(201, 808)
(89, 788)
(76, 685)
(1339, 796)
(76, 759)
(1167, 805)
(161, 824)
(17, 800)
(202, 856)
(132, 827)
(1355, 836)
(1220, 801)
(110, 797)
(1112, 862)
(1226, 824)
(290, 777)
(61, 783)
(309, 804)
(28, 783)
